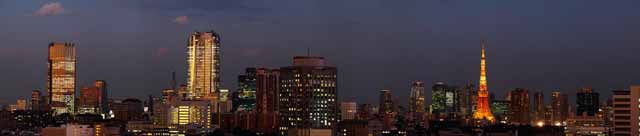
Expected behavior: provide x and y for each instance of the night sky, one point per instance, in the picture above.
(376, 44)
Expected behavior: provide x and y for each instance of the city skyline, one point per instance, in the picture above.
(572, 64)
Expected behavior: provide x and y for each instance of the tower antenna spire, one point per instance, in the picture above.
(308, 51)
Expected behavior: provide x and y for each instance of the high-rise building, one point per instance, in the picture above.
(267, 88)
(416, 97)
(308, 95)
(483, 111)
(466, 100)
(519, 106)
(224, 102)
(89, 103)
(387, 104)
(61, 83)
(246, 90)
(36, 101)
(203, 57)
(101, 85)
(626, 114)
(500, 109)
(560, 108)
(348, 110)
(444, 102)
(587, 102)
(93, 100)
(538, 107)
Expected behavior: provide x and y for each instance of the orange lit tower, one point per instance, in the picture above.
(483, 110)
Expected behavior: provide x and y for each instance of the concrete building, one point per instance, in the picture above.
(308, 95)
(625, 112)
(348, 110)
(61, 82)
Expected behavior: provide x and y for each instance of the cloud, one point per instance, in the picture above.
(50, 9)
(181, 20)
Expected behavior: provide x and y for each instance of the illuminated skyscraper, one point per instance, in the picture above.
(203, 79)
(416, 98)
(246, 91)
(61, 83)
(483, 109)
(444, 102)
(308, 95)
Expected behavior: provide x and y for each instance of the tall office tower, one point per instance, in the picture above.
(308, 95)
(519, 106)
(387, 104)
(247, 90)
(443, 101)
(203, 79)
(483, 108)
(348, 110)
(626, 113)
(36, 101)
(61, 82)
(416, 97)
(101, 85)
(268, 85)
(587, 102)
(89, 100)
(466, 100)
(538, 107)
(560, 107)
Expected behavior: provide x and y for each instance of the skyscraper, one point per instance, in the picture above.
(246, 90)
(101, 85)
(268, 86)
(560, 108)
(61, 83)
(308, 95)
(538, 107)
(587, 102)
(203, 79)
(466, 95)
(416, 98)
(483, 109)
(387, 104)
(89, 102)
(444, 102)
(519, 106)
(36, 101)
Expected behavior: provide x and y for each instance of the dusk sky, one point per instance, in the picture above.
(376, 44)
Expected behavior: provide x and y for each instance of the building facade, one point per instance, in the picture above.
(308, 95)
(626, 114)
(587, 102)
(61, 83)
(519, 106)
(203, 73)
(416, 97)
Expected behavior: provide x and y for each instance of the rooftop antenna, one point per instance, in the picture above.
(308, 51)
